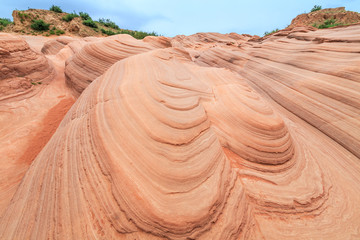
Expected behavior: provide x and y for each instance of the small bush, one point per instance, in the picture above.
(59, 32)
(56, 9)
(69, 17)
(328, 23)
(108, 23)
(137, 34)
(4, 22)
(40, 25)
(141, 34)
(52, 32)
(273, 31)
(84, 16)
(107, 32)
(22, 16)
(90, 23)
(316, 8)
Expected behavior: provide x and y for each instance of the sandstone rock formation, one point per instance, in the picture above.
(95, 58)
(55, 45)
(20, 66)
(340, 15)
(207, 136)
(314, 74)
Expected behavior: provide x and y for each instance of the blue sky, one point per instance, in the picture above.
(173, 17)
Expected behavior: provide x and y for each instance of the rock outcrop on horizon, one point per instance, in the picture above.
(208, 136)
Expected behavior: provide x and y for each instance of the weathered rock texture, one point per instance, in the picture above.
(339, 15)
(95, 58)
(202, 137)
(20, 66)
(55, 45)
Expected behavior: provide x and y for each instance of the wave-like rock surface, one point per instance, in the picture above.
(95, 58)
(313, 74)
(19, 66)
(316, 76)
(208, 136)
(161, 148)
(55, 45)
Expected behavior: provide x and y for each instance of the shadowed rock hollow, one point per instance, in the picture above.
(208, 136)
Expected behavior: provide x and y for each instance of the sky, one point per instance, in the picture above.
(175, 17)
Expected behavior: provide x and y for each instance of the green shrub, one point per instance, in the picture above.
(141, 34)
(328, 23)
(69, 17)
(137, 34)
(52, 32)
(316, 8)
(56, 9)
(107, 32)
(84, 16)
(40, 25)
(59, 32)
(90, 23)
(22, 16)
(108, 23)
(273, 31)
(4, 22)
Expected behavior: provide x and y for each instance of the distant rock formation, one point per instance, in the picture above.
(340, 16)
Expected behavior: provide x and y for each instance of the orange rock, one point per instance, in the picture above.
(208, 136)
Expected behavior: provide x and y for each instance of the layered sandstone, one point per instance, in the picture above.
(95, 58)
(20, 67)
(208, 136)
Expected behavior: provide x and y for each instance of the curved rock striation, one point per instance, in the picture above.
(208, 136)
(95, 58)
(53, 46)
(313, 74)
(160, 148)
(20, 66)
(316, 76)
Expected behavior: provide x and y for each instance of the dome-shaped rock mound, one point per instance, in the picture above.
(20, 66)
(161, 148)
(95, 58)
(53, 46)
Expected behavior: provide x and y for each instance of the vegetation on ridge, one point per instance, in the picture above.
(55, 9)
(316, 8)
(40, 25)
(108, 23)
(69, 17)
(84, 16)
(32, 22)
(90, 23)
(273, 31)
(328, 23)
(4, 22)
